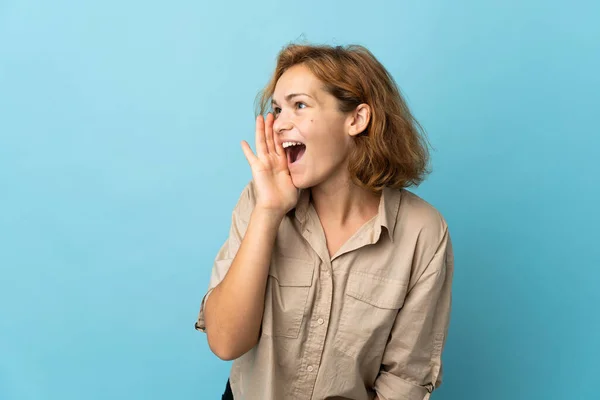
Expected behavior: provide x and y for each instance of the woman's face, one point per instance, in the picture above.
(305, 113)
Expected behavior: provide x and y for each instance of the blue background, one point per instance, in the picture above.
(120, 163)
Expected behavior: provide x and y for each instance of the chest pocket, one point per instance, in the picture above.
(369, 309)
(286, 296)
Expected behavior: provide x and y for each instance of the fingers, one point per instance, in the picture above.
(261, 145)
(269, 137)
(279, 145)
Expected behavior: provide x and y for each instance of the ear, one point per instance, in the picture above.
(359, 119)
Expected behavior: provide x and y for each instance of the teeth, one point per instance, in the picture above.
(290, 144)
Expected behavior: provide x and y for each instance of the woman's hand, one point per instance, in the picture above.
(275, 191)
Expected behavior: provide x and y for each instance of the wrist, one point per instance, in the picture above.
(268, 214)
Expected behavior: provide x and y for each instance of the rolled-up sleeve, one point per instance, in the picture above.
(412, 367)
(227, 252)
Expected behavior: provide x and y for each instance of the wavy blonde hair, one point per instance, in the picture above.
(392, 151)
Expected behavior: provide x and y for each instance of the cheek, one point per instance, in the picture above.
(329, 151)
(326, 139)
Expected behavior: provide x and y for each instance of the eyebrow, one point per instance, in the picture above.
(291, 96)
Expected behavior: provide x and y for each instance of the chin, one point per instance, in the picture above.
(300, 184)
(300, 181)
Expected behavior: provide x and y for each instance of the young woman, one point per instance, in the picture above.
(335, 280)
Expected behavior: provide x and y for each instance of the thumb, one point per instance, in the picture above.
(248, 152)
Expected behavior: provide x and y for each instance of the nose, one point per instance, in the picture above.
(281, 124)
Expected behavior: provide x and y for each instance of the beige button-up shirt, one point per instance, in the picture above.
(371, 320)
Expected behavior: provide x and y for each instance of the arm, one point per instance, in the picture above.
(411, 368)
(231, 312)
(234, 309)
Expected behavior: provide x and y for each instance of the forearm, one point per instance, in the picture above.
(235, 307)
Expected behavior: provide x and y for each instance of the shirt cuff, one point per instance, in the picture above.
(200, 325)
(392, 387)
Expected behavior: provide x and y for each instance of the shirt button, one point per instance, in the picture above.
(320, 321)
(310, 368)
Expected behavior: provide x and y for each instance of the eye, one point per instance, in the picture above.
(276, 111)
(300, 105)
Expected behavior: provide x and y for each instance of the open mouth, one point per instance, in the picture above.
(294, 151)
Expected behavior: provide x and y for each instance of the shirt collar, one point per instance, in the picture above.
(387, 213)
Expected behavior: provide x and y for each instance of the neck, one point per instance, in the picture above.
(342, 202)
